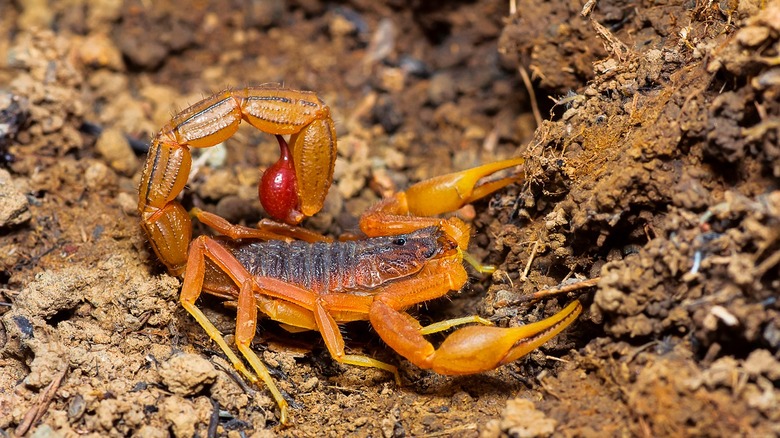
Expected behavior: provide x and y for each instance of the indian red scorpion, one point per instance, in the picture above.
(304, 280)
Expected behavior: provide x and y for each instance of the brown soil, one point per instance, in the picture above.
(656, 169)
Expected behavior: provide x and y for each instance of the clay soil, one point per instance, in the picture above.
(650, 133)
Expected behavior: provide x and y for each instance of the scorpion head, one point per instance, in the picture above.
(424, 244)
(392, 257)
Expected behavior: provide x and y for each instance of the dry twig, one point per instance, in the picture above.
(560, 289)
(39, 408)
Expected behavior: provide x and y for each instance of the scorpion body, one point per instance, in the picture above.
(355, 266)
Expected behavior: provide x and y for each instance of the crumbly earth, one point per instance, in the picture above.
(654, 171)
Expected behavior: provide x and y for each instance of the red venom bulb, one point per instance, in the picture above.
(278, 188)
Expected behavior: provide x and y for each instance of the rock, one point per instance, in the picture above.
(219, 184)
(128, 203)
(35, 14)
(441, 89)
(187, 374)
(99, 177)
(520, 419)
(13, 204)
(762, 363)
(98, 50)
(182, 415)
(115, 148)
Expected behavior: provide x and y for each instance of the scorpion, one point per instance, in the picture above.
(306, 281)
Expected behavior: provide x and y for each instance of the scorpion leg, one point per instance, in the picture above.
(335, 343)
(204, 247)
(266, 229)
(283, 302)
(292, 307)
(454, 322)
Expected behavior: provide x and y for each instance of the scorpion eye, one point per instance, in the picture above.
(401, 241)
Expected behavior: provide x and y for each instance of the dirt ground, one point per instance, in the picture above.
(652, 169)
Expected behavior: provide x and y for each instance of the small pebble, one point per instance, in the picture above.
(128, 203)
(441, 89)
(221, 183)
(187, 374)
(98, 176)
(98, 50)
(14, 207)
(114, 147)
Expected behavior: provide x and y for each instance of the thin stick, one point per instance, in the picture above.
(524, 275)
(214, 420)
(767, 264)
(451, 432)
(44, 399)
(216, 360)
(560, 289)
(530, 87)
